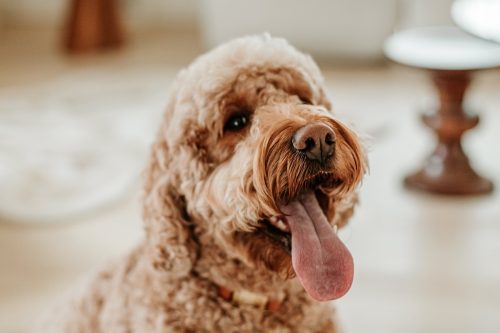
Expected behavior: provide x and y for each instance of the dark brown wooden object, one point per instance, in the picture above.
(93, 25)
(447, 170)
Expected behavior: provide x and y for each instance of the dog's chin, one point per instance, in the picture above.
(270, 245)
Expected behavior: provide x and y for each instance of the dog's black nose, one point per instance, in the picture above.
(316, 141)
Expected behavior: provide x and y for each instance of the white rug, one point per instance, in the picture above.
(76, 144)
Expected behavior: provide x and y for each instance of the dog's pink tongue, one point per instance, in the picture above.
(321, 261)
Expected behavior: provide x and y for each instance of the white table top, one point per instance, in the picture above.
(478, 17)
(442, 48)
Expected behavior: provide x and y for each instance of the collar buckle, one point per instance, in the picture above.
(250, 298)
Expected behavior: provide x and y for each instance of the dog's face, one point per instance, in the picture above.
(269, 169)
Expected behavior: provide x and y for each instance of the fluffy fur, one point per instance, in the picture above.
(205, 195)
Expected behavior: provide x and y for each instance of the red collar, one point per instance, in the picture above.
(247, 297)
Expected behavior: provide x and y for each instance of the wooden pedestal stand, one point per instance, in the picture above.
(93, 25)
(447, 170)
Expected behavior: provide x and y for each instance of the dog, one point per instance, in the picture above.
(249, 178)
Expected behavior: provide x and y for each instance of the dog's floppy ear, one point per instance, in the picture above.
(167, 224)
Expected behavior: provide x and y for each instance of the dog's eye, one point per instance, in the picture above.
(305, 100)
(236, 122)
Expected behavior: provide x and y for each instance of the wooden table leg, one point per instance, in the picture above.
(93, 25)
(447, 170)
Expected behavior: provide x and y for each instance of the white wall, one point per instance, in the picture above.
(346, 29)
(425, 12)
(178, 14)
(184, 13)
(173, 14)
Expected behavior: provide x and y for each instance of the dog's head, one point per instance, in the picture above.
(250, 154)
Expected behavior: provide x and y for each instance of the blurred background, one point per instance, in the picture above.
(83, 84)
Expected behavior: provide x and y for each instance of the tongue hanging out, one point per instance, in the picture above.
(321, 261)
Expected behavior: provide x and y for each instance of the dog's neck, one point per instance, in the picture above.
(216, 265)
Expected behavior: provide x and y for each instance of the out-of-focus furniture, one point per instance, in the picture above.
(478, 17)
(93, 25)
(450, 56)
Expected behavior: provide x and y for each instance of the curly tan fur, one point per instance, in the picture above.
(206, 192)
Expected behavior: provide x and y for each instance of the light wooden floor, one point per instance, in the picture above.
(423, 263)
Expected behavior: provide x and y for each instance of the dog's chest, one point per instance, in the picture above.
(207, 312)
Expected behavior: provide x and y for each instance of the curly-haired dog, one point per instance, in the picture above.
(249, 177)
